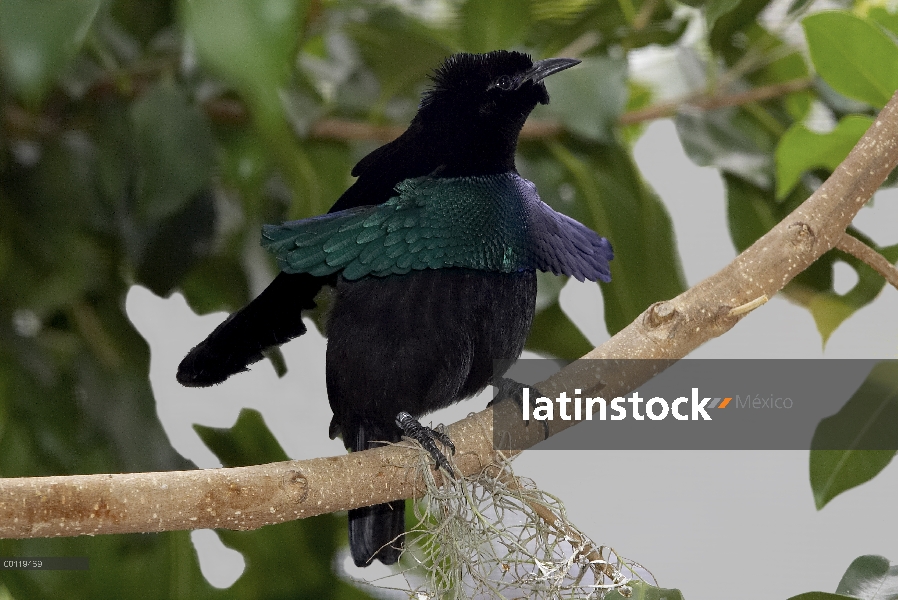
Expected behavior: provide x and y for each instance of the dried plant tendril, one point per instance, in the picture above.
(495, 535)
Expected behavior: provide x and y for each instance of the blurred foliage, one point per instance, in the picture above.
(801, 150)
(145, 142)
(868, 577)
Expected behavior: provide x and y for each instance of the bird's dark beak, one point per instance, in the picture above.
(543, 68)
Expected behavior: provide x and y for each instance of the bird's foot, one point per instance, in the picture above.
(426, 436)
(513, 390)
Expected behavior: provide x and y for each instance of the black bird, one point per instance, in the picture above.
(433, 252)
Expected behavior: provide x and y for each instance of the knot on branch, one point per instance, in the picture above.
(802, 237)
(295, 483)
(659, 314)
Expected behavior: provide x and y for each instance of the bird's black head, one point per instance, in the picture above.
(493, 85)
(479, 102)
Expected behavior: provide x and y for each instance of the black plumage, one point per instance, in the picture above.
(433, 253)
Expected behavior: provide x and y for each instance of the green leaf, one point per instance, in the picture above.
(750, 212)
(882, 16)
(737, 35)
(489, 25)
(801, 149)
(38, 40)
(783, 63)
(819, 596)
(644, 591)
(830, 309)
(291, 560)
(639, 97)
(251, 44)
(325, 167)
(274, 553)
(554, 334)
(5, 256)
(724, 36)
(589, 98)
(54, 200)
(248, 442)
(728, 139)
(177, 244)
(175, 151)
(853, 55)
(276, 357)
(400, 51)
(548, 289)
(610, 197)
(598, 26)
(867, 578)
(216, 283)
(870, 578)
(559, 10)
(140, 565)
(852, 446)
(796, 6)
(715, 9)
(834, 471)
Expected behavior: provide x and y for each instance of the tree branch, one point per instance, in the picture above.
(712, 101)
(853, 246)
(250, 497)
(231, 111)
(344, 129)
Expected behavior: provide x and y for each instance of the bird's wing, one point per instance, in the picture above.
(493, 223)
(563, 246)
(430, 223)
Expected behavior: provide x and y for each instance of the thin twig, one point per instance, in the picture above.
(879, 263)
(710, 102)
(345, 129)
(645, 15)
(586, 41)
(749, 306)
(566, 530)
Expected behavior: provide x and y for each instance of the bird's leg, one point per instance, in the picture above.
(425, 436)
(514, 390)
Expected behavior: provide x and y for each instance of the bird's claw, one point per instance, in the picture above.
(510, 389)
(425, 436)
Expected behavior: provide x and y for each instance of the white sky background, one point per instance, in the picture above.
(703, 522)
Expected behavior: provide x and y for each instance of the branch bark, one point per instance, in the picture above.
(853, 246)
(251, 497)
(712, 101)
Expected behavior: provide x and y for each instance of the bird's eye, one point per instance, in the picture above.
(504, 83)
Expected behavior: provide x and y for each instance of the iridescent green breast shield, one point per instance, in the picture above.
(492, 223)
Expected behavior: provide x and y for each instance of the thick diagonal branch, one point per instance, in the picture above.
(250, 497)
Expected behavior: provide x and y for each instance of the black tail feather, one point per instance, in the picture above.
(376, 532)
(271, 319)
